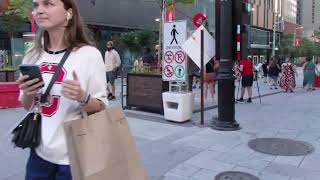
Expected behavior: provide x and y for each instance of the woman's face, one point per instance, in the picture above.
(49, 14)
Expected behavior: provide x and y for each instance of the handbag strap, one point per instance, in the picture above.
(43, 98)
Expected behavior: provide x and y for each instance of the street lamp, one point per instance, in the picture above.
(274, 36)
(295, 34)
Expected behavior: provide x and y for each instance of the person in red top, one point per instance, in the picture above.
(247, 73)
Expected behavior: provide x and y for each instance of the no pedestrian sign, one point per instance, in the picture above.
(175, 59)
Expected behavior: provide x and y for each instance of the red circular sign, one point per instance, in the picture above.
(180, 57)
(168, 71)
(197, 17)
(169, 56)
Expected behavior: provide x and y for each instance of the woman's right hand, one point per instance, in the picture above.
(31, 87)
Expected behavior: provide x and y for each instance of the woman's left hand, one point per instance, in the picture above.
(72, 89)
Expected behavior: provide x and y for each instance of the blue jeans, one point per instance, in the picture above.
(40, 169)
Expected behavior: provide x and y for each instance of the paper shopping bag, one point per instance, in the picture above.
(101, 147)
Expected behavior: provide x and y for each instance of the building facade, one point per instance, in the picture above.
(289, 10)
(107, 19)
(309, 17)
(264, 15)
(299, 11)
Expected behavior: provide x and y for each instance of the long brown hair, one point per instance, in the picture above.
(74, 36)
(274, 62)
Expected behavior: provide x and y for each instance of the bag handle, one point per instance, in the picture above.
(43, 98)
(86, 116)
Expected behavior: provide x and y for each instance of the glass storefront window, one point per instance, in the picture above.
(187, 12)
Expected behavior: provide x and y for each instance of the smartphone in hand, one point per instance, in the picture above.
(32, 70)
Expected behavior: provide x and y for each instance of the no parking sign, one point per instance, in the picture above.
(174, 67)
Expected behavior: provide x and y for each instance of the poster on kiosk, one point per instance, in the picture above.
(174, 66)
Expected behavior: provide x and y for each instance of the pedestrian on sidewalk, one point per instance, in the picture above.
(274, 70)
(80, 84)
(265, 71)
(289, 72)
(112, 62)
(310, 71)
(148, 59)
(247, 72)
(211, 70)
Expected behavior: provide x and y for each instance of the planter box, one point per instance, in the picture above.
(144, 91)
(8, 76)
(9, 94)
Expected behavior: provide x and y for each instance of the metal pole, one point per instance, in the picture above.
(239, 84)
(226, 50)
(256, 77)
(160, 32)
(122, 96)
(274, 40)
(202, 77)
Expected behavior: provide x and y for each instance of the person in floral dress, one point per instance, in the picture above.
(288, 80)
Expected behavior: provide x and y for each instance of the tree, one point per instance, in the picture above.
(130, 41)
(136, 40)
(147, 37)
(306, 48)
(14, 15)
(287, 48)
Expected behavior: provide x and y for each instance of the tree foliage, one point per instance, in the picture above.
(306, 48)
(136, 40)
(14, 15)
(185, 1)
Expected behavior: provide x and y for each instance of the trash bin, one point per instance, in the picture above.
(178, 107)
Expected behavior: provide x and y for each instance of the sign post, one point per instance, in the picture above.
(201, 48)
(175, 60)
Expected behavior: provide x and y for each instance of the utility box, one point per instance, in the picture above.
(177, 106)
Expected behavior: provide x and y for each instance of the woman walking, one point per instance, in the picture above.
(310, 71)
(273, 73)
(288, 80)
(265, 71)
(80, 84)
(211, 69)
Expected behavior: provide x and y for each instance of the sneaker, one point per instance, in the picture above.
(112, 98)
(249, 100)
(240, 100)
(109, 95)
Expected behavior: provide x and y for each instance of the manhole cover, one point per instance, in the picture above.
(235, 175)
(281, 147)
